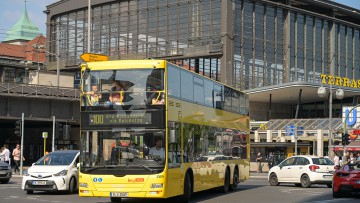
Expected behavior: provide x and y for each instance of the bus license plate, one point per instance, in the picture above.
(119, 194)
(39, 182)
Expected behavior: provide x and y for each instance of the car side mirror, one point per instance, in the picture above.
(280, 166)
(78, 165)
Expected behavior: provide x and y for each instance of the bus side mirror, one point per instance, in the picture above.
(172, 136)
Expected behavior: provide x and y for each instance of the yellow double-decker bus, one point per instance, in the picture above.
(151, 129)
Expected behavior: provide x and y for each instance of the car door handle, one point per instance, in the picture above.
(301, 167)
(289, 168)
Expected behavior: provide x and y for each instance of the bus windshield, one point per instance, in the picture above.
(123, 87)
(123, 151)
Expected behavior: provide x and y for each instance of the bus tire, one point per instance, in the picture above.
(226, 186)
(187, 189)
(235, 182)
(115, 199)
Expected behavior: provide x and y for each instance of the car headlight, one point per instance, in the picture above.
(26, 173)
(61, 173)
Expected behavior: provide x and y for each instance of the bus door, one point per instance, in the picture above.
(174, 174)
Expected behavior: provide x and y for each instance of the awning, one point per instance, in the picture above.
(279, 144)
(341, 148)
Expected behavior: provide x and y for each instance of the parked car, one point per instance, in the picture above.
(5, 172)
(303, 170)
(346, 180)
(54, 172)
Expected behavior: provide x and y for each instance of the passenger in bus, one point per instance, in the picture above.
(158, 150)
(94, 95)
(158, 99)
(116, 94)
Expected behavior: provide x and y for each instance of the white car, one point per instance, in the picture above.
(303, 171)
(53, 172)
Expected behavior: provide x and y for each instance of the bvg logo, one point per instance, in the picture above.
(349, 121)
(95, 180)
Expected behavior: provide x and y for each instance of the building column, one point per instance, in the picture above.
(256, 136)
(227, 59)
(286, 47)
(320, 143)
(268, 135)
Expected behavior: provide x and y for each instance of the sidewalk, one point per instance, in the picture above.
(256, 175)
(19, 176)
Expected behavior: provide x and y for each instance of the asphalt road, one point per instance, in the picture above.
(254, 190)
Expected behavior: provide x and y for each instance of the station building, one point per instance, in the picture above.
(278, 51)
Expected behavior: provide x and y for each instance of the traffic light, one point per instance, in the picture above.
(347, 138)
(17, 128)
(343, 139)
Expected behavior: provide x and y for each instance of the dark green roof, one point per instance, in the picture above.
(24, 29)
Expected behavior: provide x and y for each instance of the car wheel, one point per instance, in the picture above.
(115, 199)
(336, 194)
(72, 185)
(235, 182)
(226, 186)
(273, 180)
(329, 185)
(5, 181)
(305, 181)
(298, 184)
(29, 192)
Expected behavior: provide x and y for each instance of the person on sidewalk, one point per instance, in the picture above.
(6, 154)
(258, 160)
(16, 154)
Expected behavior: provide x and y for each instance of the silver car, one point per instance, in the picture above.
(5, 172)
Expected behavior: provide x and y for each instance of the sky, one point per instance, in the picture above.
(11, 10)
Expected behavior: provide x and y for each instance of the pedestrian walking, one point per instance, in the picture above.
(337, 160)
(258, 160)
(6, 154)
(271, 160)
(16, 155)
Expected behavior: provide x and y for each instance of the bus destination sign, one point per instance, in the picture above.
(116, 119)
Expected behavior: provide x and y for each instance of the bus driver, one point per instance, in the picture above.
(158, 150)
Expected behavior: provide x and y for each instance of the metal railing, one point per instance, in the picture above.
(41, 91)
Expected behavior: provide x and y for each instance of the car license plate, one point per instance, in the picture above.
(119, 194)
(39, 182)
(328, 177)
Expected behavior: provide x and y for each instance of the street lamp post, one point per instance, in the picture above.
(339, 95)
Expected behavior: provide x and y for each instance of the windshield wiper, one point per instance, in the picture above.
(92, 168)
(144, 166)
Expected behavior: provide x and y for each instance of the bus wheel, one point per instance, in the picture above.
(187, 190)
(115, 199)
(235, 182)
(226, 186)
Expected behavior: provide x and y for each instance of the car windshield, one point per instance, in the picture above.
(57, 159)
(322, 161)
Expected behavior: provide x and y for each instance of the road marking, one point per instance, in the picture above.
(11, 197)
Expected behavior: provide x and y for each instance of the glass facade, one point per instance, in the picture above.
(270, 44)
(260, 46)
